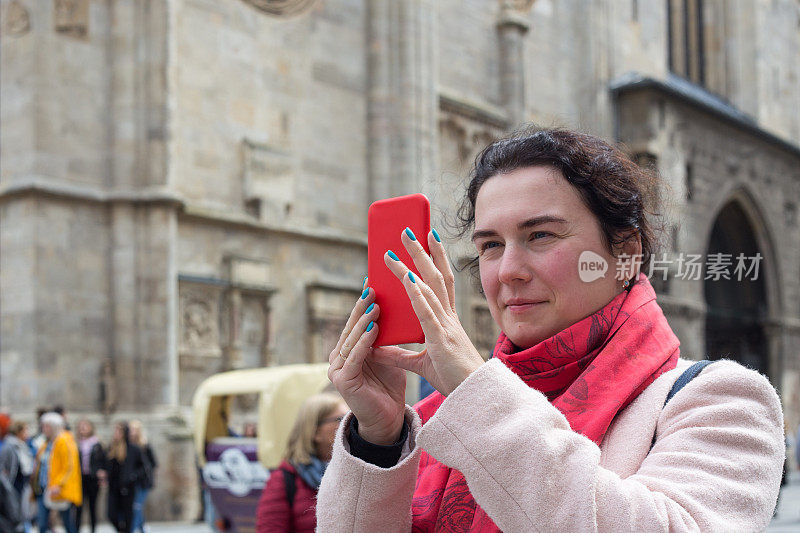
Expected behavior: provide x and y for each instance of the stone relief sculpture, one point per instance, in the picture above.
(282, 7)
(72, 17)
(18, 21)
(199, 324)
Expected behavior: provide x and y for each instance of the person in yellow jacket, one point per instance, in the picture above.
(57, 474)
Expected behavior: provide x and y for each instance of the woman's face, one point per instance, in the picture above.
(531, 228)
(84, 429)
(118, 433)
(326, 432)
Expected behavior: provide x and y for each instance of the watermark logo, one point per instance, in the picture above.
(591, 266)
(714, 267)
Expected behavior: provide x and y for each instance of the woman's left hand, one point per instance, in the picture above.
(449, 356)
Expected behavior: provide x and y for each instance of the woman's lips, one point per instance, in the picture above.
(521, 306)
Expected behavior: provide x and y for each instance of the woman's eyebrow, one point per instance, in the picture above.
(479, 234)
(526, 224)
(544, 219)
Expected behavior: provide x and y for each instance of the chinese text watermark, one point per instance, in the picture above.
(683, 266)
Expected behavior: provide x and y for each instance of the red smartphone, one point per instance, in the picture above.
(386, 221)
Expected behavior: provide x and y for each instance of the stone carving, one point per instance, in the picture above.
(198, 326)
(199, 310)
(72, 17)
(18, 21)
(282, 7)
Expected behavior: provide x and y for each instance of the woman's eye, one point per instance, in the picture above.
(537, 235)
(488, 245)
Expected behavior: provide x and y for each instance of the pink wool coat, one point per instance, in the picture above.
(716, 464)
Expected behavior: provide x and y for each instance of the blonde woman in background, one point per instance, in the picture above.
(288, 502)
(139, 438)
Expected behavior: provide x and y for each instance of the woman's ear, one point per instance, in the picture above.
(629, 256)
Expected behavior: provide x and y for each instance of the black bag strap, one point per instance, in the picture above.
(688, 375)
(290, 485)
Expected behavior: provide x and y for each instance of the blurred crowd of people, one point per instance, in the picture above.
(55, 475)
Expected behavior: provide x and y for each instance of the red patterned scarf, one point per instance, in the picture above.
(589, 371)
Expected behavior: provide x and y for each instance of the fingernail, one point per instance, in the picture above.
(370, 325)
(410, 234)
(436, 235)
(364, 282)
(411, 277)
(365, 294)
(393, 255)
(369, 309)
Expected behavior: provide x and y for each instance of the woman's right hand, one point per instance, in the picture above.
(374, 392)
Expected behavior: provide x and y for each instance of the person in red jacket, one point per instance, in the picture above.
(289, 499)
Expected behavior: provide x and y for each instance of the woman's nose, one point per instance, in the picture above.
(514, 266)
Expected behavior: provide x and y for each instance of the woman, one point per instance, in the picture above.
(139, 438)
(565, 428)
(125, 469)
(93, 460)
(288, 500)
(16, 463)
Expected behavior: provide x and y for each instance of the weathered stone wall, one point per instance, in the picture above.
(251, 122)
(18, 284)
(55, 85)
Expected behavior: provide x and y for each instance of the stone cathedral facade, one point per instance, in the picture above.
(184, 183)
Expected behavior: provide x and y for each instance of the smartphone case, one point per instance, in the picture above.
(386, 221)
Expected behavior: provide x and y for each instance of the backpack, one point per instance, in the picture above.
(290, 484)
(688, 375)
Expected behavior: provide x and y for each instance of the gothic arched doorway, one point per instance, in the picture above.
(737, 306)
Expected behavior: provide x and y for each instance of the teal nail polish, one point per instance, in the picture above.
(369, 309)
(364, 281)
(370, 325)
(365, 294)
(410, 234)
(411, 277)
(436, 235)
(393, 255)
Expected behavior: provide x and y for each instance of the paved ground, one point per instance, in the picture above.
(157, 527)
(160, 527)
(786, 521)
(788, 517)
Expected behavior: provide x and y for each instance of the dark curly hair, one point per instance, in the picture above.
(623, 196)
